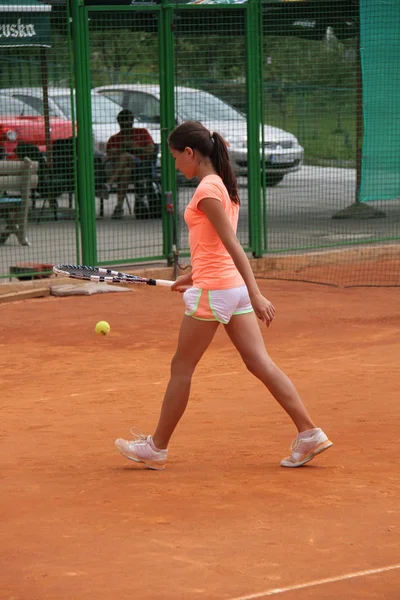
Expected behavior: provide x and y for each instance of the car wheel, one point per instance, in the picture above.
(272, 179)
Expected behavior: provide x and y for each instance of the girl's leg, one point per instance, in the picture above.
(245, 334)
(194, 338)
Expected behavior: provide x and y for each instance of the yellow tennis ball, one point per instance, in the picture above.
(102, 328)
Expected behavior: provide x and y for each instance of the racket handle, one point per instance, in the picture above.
(164, 282)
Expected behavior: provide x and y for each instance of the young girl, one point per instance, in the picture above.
(220, 289)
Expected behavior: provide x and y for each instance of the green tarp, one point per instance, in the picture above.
(380, 60)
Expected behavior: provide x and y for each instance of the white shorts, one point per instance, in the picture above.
(217, 305)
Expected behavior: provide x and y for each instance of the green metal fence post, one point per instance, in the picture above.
(264, 214)
(253, 16)
(85, 171)
(167, 116)
(71, 85)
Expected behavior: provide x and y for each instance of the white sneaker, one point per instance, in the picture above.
(305, 448)
(141, 449)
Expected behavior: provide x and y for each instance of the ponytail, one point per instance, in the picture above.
(223, 166)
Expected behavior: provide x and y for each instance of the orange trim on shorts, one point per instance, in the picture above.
(202, 308)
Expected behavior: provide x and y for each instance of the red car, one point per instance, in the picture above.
(19, 122)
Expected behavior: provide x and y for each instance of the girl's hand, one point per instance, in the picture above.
(263, 308)
(183, 283)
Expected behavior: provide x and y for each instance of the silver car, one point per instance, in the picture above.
(282, 151)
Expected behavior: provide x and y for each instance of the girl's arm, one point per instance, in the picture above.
(214, 211)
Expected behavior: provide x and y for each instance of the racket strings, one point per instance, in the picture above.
(92, 273)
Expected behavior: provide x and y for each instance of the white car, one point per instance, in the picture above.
(282, 151)
(104, 111)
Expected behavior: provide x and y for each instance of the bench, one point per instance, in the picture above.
(20, 176)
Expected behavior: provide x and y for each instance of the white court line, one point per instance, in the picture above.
(317, 582)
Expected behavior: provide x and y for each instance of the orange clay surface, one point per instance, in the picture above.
(224, 521)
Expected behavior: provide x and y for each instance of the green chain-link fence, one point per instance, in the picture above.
(289, 85)
(210, 50)
(125, 73)
(35, 122)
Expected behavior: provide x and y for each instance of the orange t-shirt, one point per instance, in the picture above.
(137, 135)
(212, 265)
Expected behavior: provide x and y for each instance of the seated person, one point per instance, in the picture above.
(128, 152)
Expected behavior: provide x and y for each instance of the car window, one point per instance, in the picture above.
(201, 106)
(36, 103)
(64, 104)
(103, 109)
(145, 107)
(11, 107)
(115, 95)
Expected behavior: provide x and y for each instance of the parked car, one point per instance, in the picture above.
(104, 111)
(282, 151)
(20, 122)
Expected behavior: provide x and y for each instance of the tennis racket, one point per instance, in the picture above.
(99, 275)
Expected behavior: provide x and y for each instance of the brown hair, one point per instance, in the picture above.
(194, 135)
(125, 116)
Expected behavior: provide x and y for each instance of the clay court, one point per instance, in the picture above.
(224, 521)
